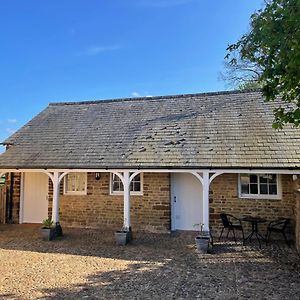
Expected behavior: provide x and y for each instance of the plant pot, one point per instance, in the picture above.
(48, 234)
(202, 243)
(122, 237)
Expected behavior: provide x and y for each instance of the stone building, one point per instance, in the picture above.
(154, 164)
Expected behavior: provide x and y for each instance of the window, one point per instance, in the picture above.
(2, 180)
(75, 184)
(263, 186)
(135, 185)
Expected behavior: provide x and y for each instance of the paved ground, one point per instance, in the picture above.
(86, 264)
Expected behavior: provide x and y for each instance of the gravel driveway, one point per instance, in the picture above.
(86, 264)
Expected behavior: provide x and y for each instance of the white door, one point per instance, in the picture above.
(35, 205)
(186, 201)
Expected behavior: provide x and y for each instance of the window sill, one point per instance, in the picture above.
(261, 197)
(75, 194)
(122, 194)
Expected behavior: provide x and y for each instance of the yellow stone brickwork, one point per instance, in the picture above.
(152, 212)
(224, 198)
(297, 229)
(149, 212)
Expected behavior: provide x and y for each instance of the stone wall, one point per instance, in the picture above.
(297, 229)
(16, 196)
(149, 212)
(224, 198)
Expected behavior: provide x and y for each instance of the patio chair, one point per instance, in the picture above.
(278, 226)
(231, 223)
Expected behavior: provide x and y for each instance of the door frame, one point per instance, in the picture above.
(173, 200)
(21, 214)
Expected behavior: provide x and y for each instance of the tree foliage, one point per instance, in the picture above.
(271, 50)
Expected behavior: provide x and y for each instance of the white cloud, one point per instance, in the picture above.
(135, 94)
(162, 3)
(94, 50)
(12, 121)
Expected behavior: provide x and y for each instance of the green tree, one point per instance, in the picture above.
(271, 49)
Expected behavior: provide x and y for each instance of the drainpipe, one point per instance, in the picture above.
(10, 200)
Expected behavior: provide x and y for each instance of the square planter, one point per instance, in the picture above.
(202, 243)
(122, 237)
(48, 234)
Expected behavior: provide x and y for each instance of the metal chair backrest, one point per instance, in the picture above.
(225, 220)
(280, 224)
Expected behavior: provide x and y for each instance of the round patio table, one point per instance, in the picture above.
(254, 223)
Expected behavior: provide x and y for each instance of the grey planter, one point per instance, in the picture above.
(202, 243)
(122, 237)
(48, 234)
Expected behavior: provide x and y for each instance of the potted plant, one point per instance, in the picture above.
(48, 230)
(202, 240)
(123, 236)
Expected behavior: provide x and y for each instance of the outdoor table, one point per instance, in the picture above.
(254, 222)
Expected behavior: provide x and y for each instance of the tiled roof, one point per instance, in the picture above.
(212, 130)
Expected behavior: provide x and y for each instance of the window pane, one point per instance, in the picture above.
(75, 182)
(81, 185)
(137, 187)
(263, 178)
(253, 188)
(137, 178)
(116, 186)
(273, 189)
(245, 179)
(253, 178)
(245, 189)
(272, 178)
(264, 189)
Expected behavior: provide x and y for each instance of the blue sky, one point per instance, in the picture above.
(64, 50)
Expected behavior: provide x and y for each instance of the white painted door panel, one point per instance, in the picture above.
(35, 205)
(186, 201)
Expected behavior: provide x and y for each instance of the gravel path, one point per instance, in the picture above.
(86, 264)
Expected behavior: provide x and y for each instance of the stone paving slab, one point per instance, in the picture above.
(86, 264)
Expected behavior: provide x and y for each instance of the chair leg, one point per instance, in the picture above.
(285, 238)
(243, 236)
(221, 233)
(234, 235)
(268, 237)
(227, 233)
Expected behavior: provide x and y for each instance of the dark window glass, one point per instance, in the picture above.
(273, 189)
(137, 186)
(253, 189)
(245, 188)
(263, 179)
(253, 178)
(264, 189)
(272, 178)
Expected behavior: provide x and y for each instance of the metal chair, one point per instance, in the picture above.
(227, 221)
(278, 226)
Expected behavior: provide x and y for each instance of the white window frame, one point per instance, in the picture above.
(114, 193)
(261, 196)
(66, 192)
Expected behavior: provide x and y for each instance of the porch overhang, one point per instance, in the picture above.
(205, 176)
